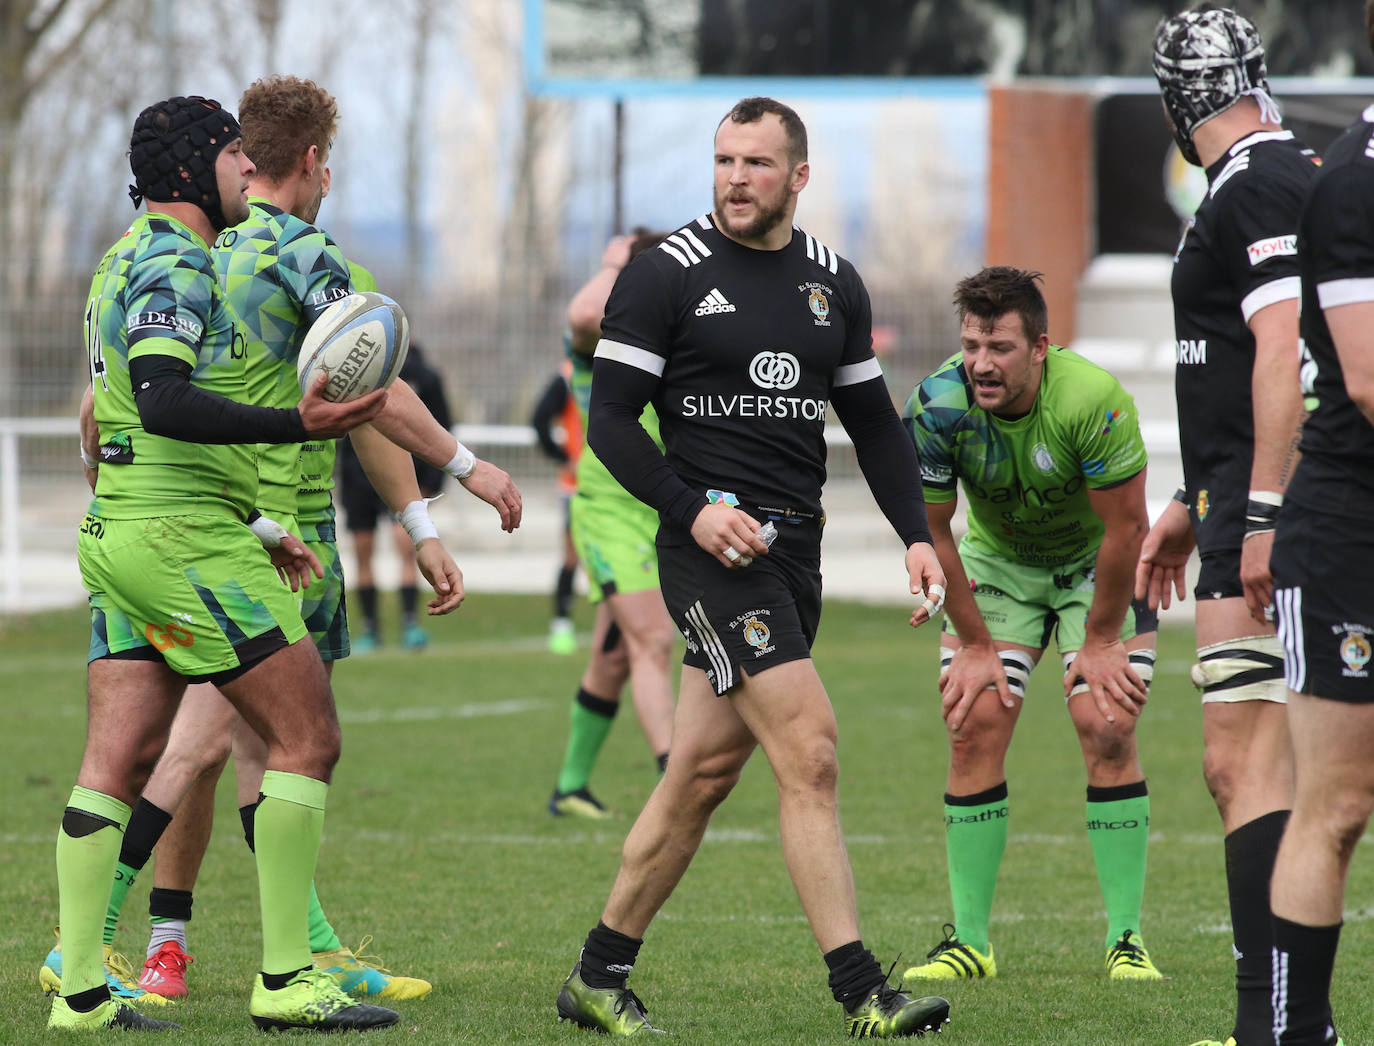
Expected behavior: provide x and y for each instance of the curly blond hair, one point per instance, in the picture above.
(282, 116)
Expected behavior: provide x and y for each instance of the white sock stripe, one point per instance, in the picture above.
(712, 645)
(1279, 1000)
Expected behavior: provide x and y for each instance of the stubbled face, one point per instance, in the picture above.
(232, 171)
(1002, 364)
(755, 187)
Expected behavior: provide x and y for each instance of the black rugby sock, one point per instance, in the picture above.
(608, 956)
(563, 592)
(1250, 853)
(1304, 957)
(410, 599)
(854, 971)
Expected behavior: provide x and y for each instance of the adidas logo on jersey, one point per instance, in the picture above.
(714, 303)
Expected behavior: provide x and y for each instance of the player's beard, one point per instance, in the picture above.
(765, 221)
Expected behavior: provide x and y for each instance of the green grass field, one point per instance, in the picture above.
(438, 844)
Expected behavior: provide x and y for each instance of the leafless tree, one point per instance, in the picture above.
(54, 94)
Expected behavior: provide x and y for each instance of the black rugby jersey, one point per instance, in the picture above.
(745, 346)
(1336, 259)
(1237, 255)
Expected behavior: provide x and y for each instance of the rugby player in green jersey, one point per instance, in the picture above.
(1047, 446)
(279, 272)
(181, 588)
(614, 533)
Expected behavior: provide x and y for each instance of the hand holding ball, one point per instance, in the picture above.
(360, 343)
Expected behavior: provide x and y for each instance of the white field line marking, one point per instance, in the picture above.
(446, 647)
(473, 710)
(470, 711)
(745, 836)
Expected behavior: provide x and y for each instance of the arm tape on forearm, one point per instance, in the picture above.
(462, 463)
(415, 519)
(169, 405)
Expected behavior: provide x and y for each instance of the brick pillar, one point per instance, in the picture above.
(1040, 190)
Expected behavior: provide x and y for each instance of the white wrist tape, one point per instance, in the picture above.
(269, 531)
(464, 461)
(87, 460)
(415, 519)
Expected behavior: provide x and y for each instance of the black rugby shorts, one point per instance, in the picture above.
(1219, 574)
(1323, 577)
(362, 505)
(739, 621)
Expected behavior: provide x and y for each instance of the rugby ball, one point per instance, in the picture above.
(360, 342)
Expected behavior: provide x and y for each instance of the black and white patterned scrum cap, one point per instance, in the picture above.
(173, 149)
(1206, 62)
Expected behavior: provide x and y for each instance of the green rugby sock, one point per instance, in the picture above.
(322, 935)
(975, 839)
(124, 876)
(1119, 830)
(145, 828)
(591, 718)
(87, 848)
(287, 830)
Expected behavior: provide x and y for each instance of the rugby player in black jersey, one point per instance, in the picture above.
(1322, 583)
(741, 329)
(1235, 294)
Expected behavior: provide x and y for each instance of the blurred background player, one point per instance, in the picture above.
(614, 536)
(558, 426)
(1048, 448)
(362, 506)
(1235, 290)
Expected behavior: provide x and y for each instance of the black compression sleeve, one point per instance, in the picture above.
(886, 455)
(169, 405)
(619, 394)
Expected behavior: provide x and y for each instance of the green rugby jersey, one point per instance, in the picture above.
(1027, 479)
(279, 273)
(314, 500)
(155, 292)
(594, 479)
